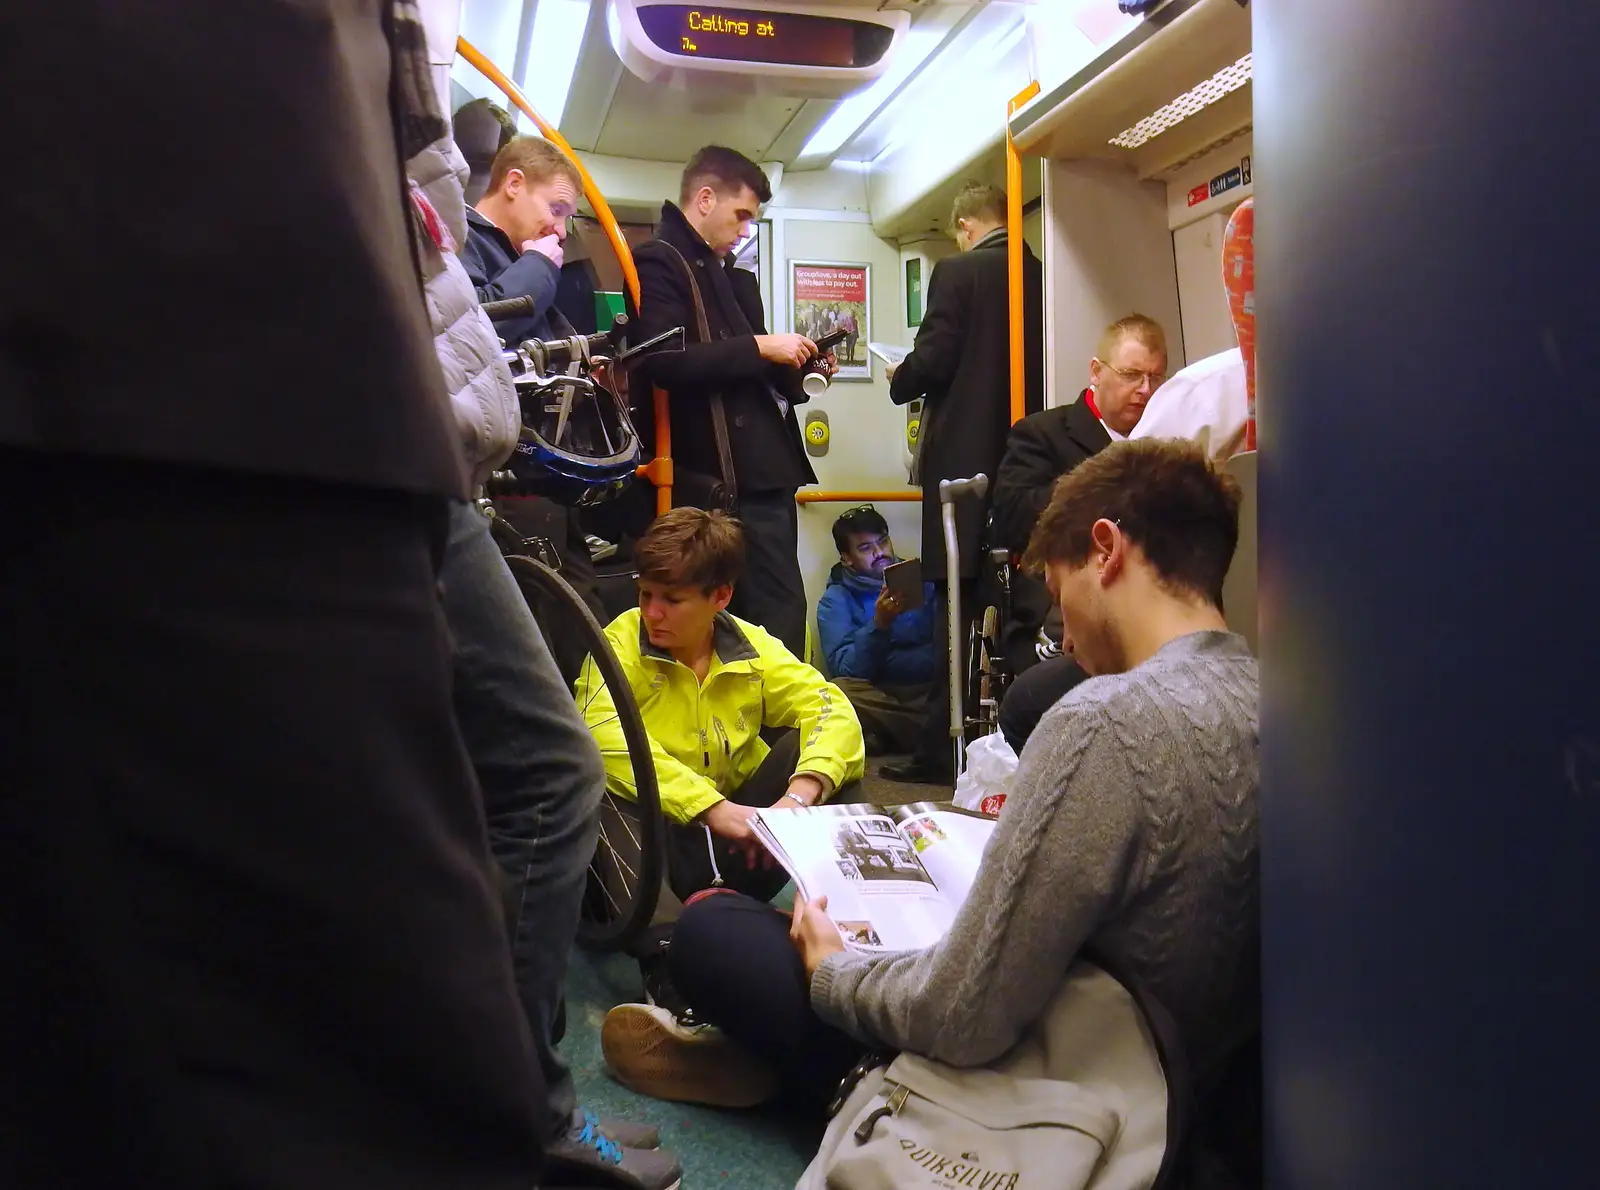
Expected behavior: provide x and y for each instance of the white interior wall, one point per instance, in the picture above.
(1108, 252)
(1182, 209)
(1207, 323)
(1033, 230)
(1198, 225)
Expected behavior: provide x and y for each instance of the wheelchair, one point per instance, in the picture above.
(979, 671)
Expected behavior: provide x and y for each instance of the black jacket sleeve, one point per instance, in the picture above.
(664, 303)
(785, 379)
(931, 366)
(1028, 471)
(533, 274)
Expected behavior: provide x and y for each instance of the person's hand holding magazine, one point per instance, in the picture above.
(813, 933)
(872, 878)
(734, 822)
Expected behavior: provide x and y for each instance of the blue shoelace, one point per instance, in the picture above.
(610, 1151)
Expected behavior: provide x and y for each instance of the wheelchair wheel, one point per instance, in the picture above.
(625, 873)
(986, 675)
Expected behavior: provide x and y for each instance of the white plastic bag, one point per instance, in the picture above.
(984, 783)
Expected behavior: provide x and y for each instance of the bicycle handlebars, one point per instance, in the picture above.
(516, 307)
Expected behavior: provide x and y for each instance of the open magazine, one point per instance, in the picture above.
(893, 878)
(888, 352)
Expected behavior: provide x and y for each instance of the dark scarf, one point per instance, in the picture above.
(417, 114)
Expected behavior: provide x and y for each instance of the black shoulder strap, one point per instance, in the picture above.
(719, 414)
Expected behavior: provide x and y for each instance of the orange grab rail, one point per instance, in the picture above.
(1019, 373)
(659, 469)
(864, 497)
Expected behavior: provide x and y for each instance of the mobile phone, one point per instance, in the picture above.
(904, 581)
(829, 341)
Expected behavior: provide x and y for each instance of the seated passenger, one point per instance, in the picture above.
(1128, 368)
(1131, 832)
(706, 684)
(879, 653)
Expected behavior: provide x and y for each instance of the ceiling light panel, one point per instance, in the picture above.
(1226, 81)
(556, 39)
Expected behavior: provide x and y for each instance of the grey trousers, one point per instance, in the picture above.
(895, 713)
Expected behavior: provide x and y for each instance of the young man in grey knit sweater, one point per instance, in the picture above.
(1131, 831)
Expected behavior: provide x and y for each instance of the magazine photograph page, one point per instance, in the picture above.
(869, 863)
(949, 841)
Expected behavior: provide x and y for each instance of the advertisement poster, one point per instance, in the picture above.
(828, 296)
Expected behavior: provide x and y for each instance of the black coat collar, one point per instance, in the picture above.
(1084, 428)
(676, 230)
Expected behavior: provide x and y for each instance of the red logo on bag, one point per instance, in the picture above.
(991, 804)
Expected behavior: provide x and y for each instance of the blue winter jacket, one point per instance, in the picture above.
(498, 272)
(854, 647)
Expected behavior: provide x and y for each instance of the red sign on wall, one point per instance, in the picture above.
(1199, 194)
(829, 283)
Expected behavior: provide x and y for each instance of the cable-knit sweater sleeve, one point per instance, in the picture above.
(1066, 855)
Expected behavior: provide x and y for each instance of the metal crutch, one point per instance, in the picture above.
(951, 490)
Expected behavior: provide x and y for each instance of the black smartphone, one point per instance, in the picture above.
(904, 582)
(829, 341)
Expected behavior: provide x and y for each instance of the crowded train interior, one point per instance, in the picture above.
(662, 595)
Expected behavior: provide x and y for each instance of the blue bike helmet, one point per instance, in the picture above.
(578, 446)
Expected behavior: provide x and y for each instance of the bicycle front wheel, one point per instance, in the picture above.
(626, 870)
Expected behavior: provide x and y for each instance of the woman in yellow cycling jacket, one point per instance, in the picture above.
(706, 684)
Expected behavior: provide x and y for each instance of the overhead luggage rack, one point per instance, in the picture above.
(1174, 87)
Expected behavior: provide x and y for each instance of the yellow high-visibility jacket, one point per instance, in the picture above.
(706, 738)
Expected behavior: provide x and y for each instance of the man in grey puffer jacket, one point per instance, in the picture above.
(538, 767)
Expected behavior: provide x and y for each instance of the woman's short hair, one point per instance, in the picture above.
(690, 547)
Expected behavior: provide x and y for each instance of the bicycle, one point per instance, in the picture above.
(575, 388)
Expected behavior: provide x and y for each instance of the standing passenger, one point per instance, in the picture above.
(960, 365)
(514, 248)
(756, 374)
(251, 931)
(538, 768)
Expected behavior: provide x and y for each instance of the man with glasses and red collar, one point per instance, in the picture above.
(1129, 364)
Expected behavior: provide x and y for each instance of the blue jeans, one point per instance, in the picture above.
(539, 770)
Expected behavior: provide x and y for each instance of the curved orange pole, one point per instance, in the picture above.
(659, 469)
(1019, 371)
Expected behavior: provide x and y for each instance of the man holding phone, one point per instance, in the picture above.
(735, 440)
(876, 622)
